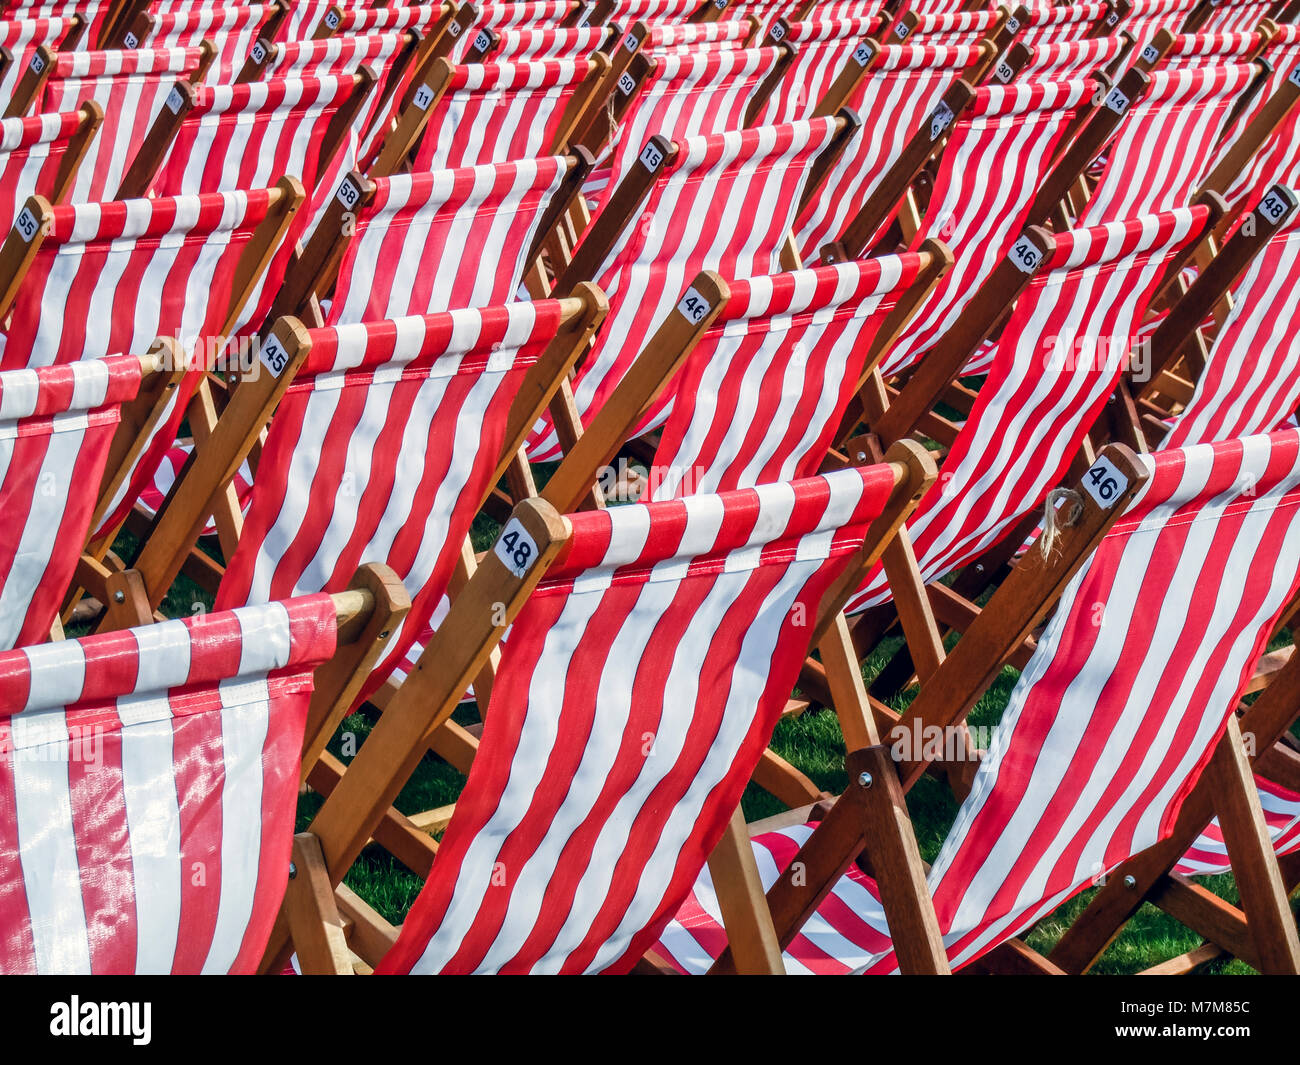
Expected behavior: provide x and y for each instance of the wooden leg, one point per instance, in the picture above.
(750, 933)
(311, 912)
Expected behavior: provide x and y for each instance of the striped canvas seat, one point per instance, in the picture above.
(690, 212)
(1278, 158)
(1230, 17)
(149, 780)
(824, 46)
(526, 13)
(998, 153)
(537, 42)
(92, 11)
(1251, 380)
(131, 88)
(34, 155)
(1055, 363)
(1177, 121)
(1062, 24)
(339, 54)
(1204, 49)
(1281, 808)
(56, 425)
(946, 28)
(601, 798)
(307, 18)
(761, 395)
(688, 37)
(414, 412)
(1068, 59)
(247, 136)
(361, 19)
(1148, 17)
(626, 12)
(848, 9)
(231, 30)
(901, 88)
(22, 36)
(407, 250)
(1105, 732)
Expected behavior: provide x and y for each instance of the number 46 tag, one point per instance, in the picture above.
(1104, 483)
(516, 548)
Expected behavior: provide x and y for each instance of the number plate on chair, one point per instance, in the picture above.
(1294, 77)
(630, 42)
(777, 32)
(862, 54)
(175, 101)
(37, 63)
(332, 19)
(901, 31)
(693, 306)
(1025, 256)
(1004, 73)
(274, 357)
(626, 83)
(1104, 483)
(1013, 25)
(130, 40)
(454, 29)
(1149, 54)
(27, 224)
(1277, 203)
(651, 156)
(516, 548)
(1117, 101)
(423, 97)
(348, 194)
(940, 120)
(482, 41)
(1112, 18)
(259, 52)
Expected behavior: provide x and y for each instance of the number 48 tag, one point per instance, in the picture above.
(1104, 483)
(516, 548)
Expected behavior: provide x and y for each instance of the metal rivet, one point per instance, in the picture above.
(119, 597)
(293, 871)
(384, 635)
(1130, 882)
(864, 779)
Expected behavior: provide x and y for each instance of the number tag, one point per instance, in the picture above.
(693, 306)
(1004, 73)
(720, 4)
(423, 97)
(259, 53)
(274, 357)
(1104, 483)
(651, 157)
(940, 120)
(26, 225)
(1294, 77)
(862, 54)
(626, 83)
(901, 31)
(332, 19)
(1013, 25)
(1025, 256)
(1276, 204)
(777, 32)
(130, 40)
(1117, 101)
(454, 29)
(348, 194)
(38, 63)
(1149, 54)
(630, 43)
(175, 101)
(1112, 18)
(482, 41)
(516, 548)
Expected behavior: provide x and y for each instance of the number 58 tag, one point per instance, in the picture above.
(516, 548)
(1104, 483)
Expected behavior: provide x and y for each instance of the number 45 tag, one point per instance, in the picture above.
(1104, 483)
(516, 548)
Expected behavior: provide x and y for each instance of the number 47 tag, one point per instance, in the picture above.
(516, 548)
(1104, 483)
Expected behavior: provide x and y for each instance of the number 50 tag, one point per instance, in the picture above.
(1104, 483)
(516, 548)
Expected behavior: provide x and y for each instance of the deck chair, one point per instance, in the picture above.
(231, 30)
(1000, 150)
(644, 264)
(21, 38)
(947, 28)
(1063, 23)
(775, 555)
(57, 426)
(352, 20)
(1056, 61)
(512, 45)
(1230, 17)
(391, 247)
(682, 38)
(626, 12)
(1171, 51)
(1102, 740)
(244, 136)
(1177, 120)
(1147, 17)
(530, 13)
(484, 113)
(40, 155)
(822, 47)
(150, 780)
(130, 88)
(899, 85)
(306, 19)
(433, 410)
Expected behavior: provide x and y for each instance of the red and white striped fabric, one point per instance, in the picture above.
(155, 492)
(31, 152)
(689, 37)
(149, 780)
(1107, 729)
(93, 12)
(761, 396)
(1209, 855)
(823, 47)
(56, 425)
(544, 42)
(1177, 122)
(525, 13)
(687, 94)
(850, 9)
(306, 17)
(1148, 17)
(414, 411)
(407, 252)
(998, 153)
(335, 55)
(1251, 380)
(1053, 367)
(230, 30)
(1229, 17)
(247, 136)
(1278, 159)
(1067, 59)
(1206, 49)
(22, 37)
(363, 20)
(899, 91)
(688, 225)
(618, 740)
(132, 88)
(1062, 24)
(947, 28)
(626, 12)
(493, 113)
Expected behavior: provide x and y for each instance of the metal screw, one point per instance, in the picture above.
(293, 871)
(384, 635)
(119, 597)
(862, 456)
(864, 779)
(1130, 882)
